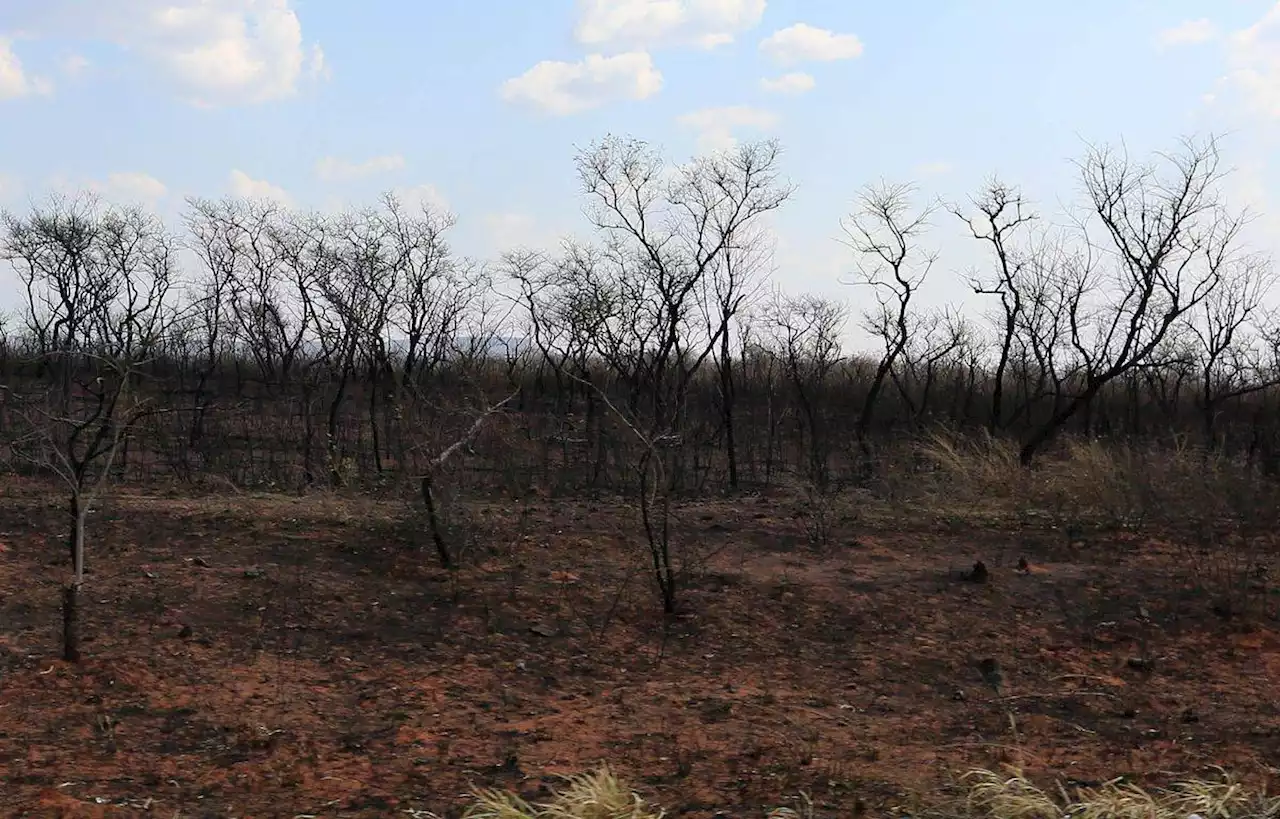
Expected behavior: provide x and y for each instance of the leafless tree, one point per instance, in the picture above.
(734, 284)
(1001, 211)
(98, 283)
(436, 464)
(215, 234)
(805, 331)
(347, 257)
(665, 233)
(885, 231)
(435, 290)
(934, 338)
(1057, 278)
(563, 312)
(715, 191)
(1167, 384)
(273, 310)
(1168, 242)
(1230, 328)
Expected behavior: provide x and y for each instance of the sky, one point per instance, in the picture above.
(478, 106)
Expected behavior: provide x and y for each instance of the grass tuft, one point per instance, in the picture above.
(601, 795)
(1014, 797)
(596, 795)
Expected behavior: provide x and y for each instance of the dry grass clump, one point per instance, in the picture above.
(597, 795)
(1083, 480)
(601, 795)
(1015, 797)
(974, 464)
(1162, 487)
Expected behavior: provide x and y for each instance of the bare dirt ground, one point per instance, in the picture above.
(276, 656)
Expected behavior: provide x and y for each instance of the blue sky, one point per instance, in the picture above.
(479, 104)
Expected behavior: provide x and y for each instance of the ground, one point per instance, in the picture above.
(258, 655)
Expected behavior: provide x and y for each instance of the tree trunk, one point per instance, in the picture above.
(71, 592)
(433, 521)
(71, 622)
(997, 383)
(1050, 428)
(658, 532)
(375, 435)
(75, 543)
(333, 448)
(727, 406)
(863, 429)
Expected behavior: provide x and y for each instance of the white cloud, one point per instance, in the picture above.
(514, 229)
(644, 24)
(796, 82)
(805, 43)
(1254, 57)
(716, 127)
(1191, 32)
(562, 88)
(131, 187)
(10, 187)
(426, 195)
(75, 65)
(245, 186)
(333, 169)
(1251, 185)
(214, 53)
(928, 169)
(14, 80)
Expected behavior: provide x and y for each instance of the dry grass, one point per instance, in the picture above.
(1014, 797)
(1218, 514)
(596, 795)
(1087, 479)
(601, 795)
(1160, 488)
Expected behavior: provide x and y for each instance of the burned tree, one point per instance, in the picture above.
(1168, 241)
(885, 232)
(1001, 213)
(98, 283)
(665, 232)
(1227, 336)
(717, 188)
(935, 340)
(434, 291)
(804, 331)
(219, 234)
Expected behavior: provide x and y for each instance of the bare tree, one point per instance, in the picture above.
(434, 290)
(805, 330)
(273, 310)
(934, 338)
(215, 235)
(716, 190)
(563, 317)
(885, 231)
(98, 282)
(436, 464)
(1230, 338)
(665, 232)
(435, 293)
(347, 258)
(1001, 212)
(1169, 242)
(1056, 280)
(734, 283)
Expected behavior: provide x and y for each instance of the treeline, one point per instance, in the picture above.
(270, 347)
